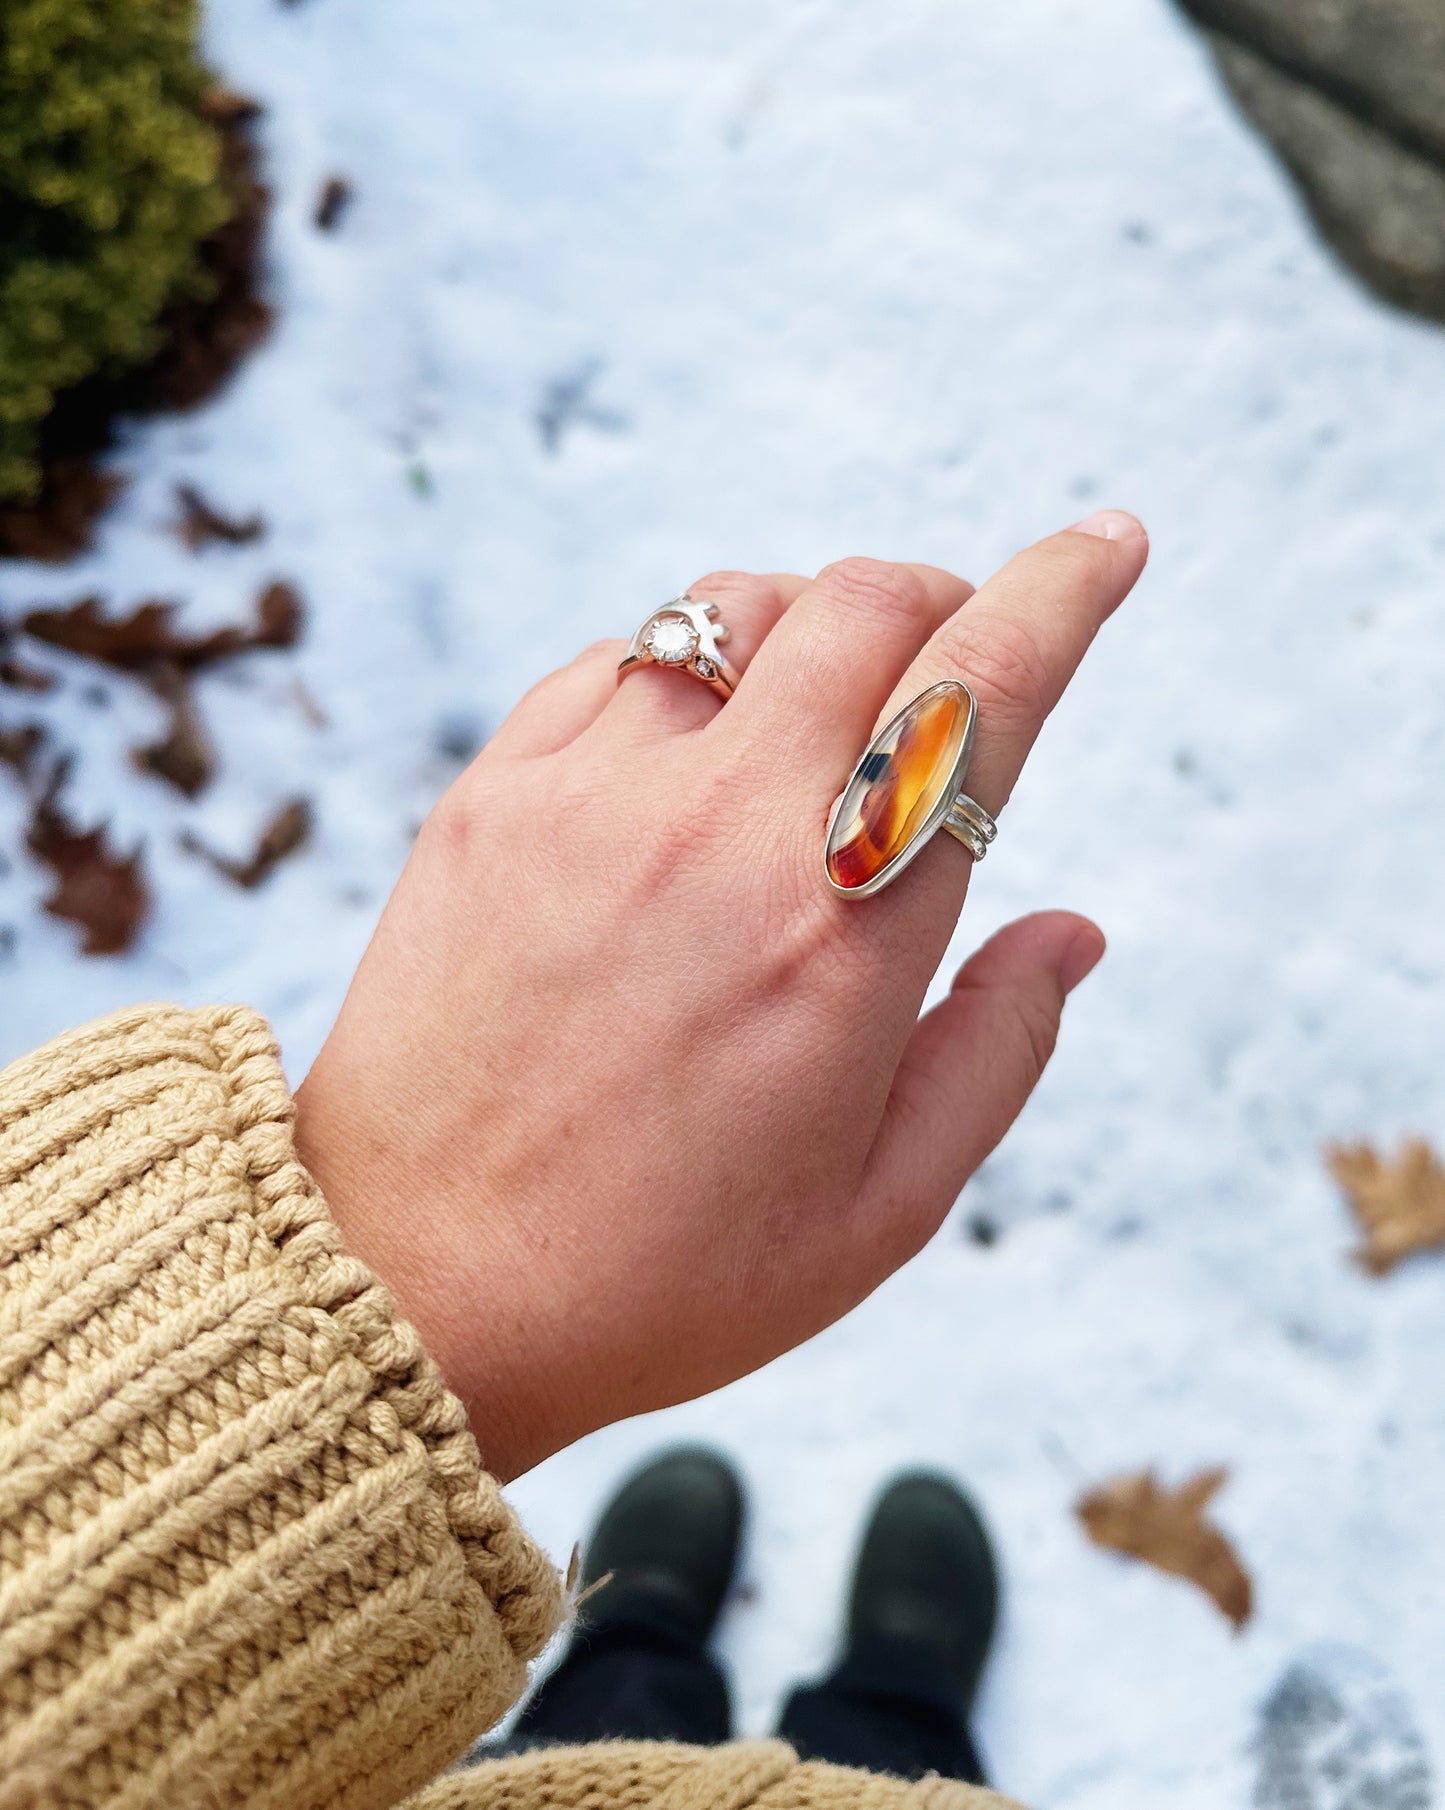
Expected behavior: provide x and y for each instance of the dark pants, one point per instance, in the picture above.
(887, 1708)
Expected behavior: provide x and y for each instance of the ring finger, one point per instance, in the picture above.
(749, 605)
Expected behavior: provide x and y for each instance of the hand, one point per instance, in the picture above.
(623, 1100)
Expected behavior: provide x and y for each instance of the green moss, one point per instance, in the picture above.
(109, 179)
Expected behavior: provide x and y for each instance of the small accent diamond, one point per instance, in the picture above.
(671, 640)
(704, 667)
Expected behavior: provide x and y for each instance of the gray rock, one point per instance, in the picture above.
(1351, 94)
(1336, 1734)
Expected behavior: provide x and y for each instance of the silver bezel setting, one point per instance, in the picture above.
(940, 810)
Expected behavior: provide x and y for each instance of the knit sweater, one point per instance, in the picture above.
(249, 1557)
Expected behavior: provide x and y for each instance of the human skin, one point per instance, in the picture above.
(624, 1099)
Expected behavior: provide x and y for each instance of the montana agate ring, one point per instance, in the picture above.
(907, 785)
(683, 635)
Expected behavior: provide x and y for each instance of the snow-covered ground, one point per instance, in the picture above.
(923, 280)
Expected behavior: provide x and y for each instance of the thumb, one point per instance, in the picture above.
(971, 1064)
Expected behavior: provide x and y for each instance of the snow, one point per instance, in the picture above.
(792, 279)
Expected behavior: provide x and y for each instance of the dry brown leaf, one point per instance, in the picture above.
(57, 525)
(287, 831)
(1400, 1205)
(201, 522)
(184, 755)
(1167, 1529)
(18, 674)
(19, 744)
(133, 643)
(105, 893)
(332, 202)
(224, 106)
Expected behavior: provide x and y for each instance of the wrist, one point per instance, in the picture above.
(480, 1309)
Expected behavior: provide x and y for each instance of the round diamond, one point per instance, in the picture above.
(671, 640)
(704, 667)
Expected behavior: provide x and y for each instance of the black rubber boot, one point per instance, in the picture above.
(927, 1577)
(923, 1612)
(637, 1666)
(668, 1541)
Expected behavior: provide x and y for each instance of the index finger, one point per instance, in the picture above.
(1016, 644)
(1020, 638)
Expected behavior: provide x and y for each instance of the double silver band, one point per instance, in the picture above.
(683, 636)
(971, 824)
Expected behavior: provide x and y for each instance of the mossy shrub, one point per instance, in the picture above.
(109, 180)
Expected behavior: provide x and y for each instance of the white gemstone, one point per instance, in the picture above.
(671, 640)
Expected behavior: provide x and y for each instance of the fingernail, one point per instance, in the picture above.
(1081, 957)
(1110, 524)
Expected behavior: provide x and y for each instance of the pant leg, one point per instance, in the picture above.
(888, 1708)
(636, 1677)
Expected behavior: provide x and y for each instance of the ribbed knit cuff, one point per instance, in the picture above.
(248, 1554)
(658, 1775)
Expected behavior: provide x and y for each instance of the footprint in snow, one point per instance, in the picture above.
(1336, 1733)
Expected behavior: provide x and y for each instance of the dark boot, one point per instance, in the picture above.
(922, 1619)
(659, 1566)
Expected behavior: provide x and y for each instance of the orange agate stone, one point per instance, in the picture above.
(897, 783)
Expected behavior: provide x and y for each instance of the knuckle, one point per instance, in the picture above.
(876, 586)
(726, 585)
(1009, 672)
(454, 824)
(1039, 1023)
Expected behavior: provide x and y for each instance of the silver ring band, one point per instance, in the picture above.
(971, 824)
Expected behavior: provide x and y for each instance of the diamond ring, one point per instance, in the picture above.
(683, 635)
(908, 784)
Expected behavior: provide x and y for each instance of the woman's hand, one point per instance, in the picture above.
(624, 1100)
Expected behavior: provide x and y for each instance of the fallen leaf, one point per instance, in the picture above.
(105, 893)
(57, 524)
(332, 202)
(18, 674)
(133, 643)
(287, 831)
(19, 745)
(1167, 1529)
(184, 756)
(224, 106)
(201, 522)
(1400, 1205)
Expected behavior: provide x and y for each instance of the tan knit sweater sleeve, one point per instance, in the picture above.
(655, 1775)
(248, 1554)
(249, 1559)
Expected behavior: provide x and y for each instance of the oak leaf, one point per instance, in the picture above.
(105, 893)
(19, 674)
(202, 522)
(184, 755)
(1137, 1516)
(287, 831)
(19, 745)
(1400, 1205)
(148, 636)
